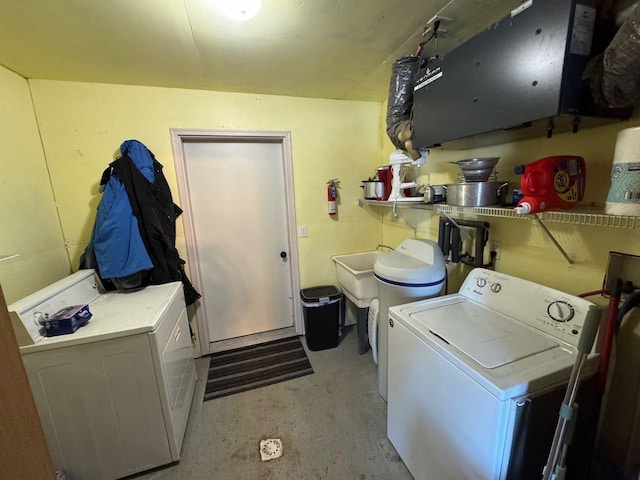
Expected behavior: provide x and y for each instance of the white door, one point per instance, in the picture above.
(239, 220)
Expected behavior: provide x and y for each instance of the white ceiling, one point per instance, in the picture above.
(308, 48)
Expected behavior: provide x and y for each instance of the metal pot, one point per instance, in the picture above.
(476, 194)
(373, 189)
(435, 193)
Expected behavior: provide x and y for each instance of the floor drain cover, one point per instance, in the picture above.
(270, 448)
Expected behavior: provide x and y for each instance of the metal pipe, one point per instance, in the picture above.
(553, 240)
(610, 327)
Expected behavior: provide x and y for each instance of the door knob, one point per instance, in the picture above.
(283, 255)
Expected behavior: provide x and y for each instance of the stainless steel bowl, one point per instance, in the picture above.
(477, 163)
(477, 169)
(479, 175)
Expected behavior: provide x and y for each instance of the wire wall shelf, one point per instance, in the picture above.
(585, 216)
(484, 211)
(594, 218)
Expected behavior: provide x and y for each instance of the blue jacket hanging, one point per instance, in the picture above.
(133, 241)
(116, 249)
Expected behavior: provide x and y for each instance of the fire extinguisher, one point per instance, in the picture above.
(332, 195)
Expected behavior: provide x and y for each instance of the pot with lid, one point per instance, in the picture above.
(373, 189)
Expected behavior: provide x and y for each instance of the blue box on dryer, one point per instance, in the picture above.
(67, 320)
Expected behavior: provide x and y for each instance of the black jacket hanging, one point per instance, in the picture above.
(153, 207)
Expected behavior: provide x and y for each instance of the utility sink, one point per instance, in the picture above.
(355, 275)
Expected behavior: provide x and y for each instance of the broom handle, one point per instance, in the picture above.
(587, 337)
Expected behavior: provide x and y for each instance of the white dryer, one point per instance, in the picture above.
(476, 379)
(113, 397)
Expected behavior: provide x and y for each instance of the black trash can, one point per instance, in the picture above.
(321, 308)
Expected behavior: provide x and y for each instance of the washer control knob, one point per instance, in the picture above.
(560, 311)
(481, 282)
(496, 287)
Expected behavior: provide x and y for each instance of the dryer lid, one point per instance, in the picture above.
(487, 336)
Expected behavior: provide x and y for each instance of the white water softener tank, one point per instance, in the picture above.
(624, 194)
(415, 270)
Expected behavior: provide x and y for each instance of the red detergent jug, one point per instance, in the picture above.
(551, 183)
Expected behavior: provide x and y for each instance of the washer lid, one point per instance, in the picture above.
(398, 267)
(486, 336)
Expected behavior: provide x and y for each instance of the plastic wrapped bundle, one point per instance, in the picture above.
(401, 99)
(615, 75)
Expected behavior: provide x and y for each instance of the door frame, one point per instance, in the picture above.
(178, 138)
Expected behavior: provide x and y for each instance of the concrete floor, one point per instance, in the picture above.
(332, 425)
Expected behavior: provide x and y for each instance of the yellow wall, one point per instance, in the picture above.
(525, 250)
(82, 126)
(30, 225)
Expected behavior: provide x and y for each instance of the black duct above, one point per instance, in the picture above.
(521, 77)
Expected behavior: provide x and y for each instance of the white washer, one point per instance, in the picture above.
(413, 271)
(113, 397)
(476, 378)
